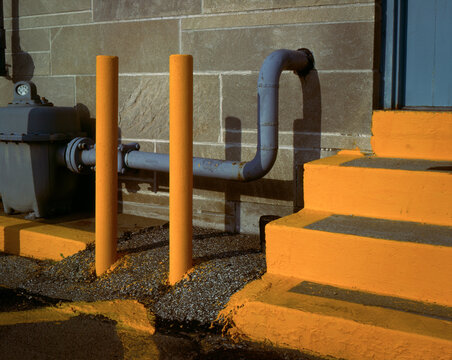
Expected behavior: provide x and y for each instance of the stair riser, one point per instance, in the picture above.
(332, 336)
(412, 134)
(381, 193)
(408, 270)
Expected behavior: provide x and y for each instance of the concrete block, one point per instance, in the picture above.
(6, 91)
(324, 101)
(240, 101)
(85, 93)
(245, 49)
(39, 7)
(27, 40)
(144, 110)
(58, 90)
(51, 20)
(105, 10)
(299, 16)
(145, 210)
(141, 46)
(25, 65)
(217, 6)
(214, 221)
(143, 107)
(206, 108)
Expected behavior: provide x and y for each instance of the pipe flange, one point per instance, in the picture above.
(73, 154)
(123, 150)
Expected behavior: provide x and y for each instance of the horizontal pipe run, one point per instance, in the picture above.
(88, 157)
(301, 61)
(210, 168)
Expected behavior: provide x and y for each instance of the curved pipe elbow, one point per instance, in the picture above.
(300, 61)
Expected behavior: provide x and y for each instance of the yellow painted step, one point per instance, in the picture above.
(399, 189)
(272, 310)
(58, 238)
(412, 134)
(394, 258)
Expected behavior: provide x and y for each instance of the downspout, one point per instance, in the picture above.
(300, 61)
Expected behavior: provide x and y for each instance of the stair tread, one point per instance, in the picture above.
(396, 189)
(400, 164)
(406, 231)
(371, 299)
(405, 259)
(281, 294)
(426, 319)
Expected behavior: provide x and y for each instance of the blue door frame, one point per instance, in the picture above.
(393, 38)
(416, 64)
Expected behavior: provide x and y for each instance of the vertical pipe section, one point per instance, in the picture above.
(106, 161)
(181, 165)
(3, 71)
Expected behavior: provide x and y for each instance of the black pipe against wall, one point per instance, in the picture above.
(3, 71)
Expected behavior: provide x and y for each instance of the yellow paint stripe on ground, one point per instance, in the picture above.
(129, 314)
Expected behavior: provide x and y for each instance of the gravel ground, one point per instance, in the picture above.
(186, 313)
(224, 264)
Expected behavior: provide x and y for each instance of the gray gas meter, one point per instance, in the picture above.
(32, 131)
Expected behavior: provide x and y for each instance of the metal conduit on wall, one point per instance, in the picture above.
(301, 61)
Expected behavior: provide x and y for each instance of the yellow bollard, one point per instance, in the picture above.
(181, 165)
(106, 161)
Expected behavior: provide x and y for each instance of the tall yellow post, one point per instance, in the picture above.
(181, 165)
(106, 161)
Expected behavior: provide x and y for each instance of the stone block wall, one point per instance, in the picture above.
(54, 43)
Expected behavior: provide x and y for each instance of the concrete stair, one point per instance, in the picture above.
(405, 259)
(377, 228)
(390, 188)
(330, 322)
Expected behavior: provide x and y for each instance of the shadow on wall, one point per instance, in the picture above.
(306, 147)
(306, 144)
(84, 197)
(233, 152)
(307, 133)
(23, 66)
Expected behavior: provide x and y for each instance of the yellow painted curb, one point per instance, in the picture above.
(58, 238)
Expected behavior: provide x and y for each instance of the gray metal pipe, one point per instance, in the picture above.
(88, 157)
(300, 61)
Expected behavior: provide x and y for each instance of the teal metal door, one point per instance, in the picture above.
(417, 53)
